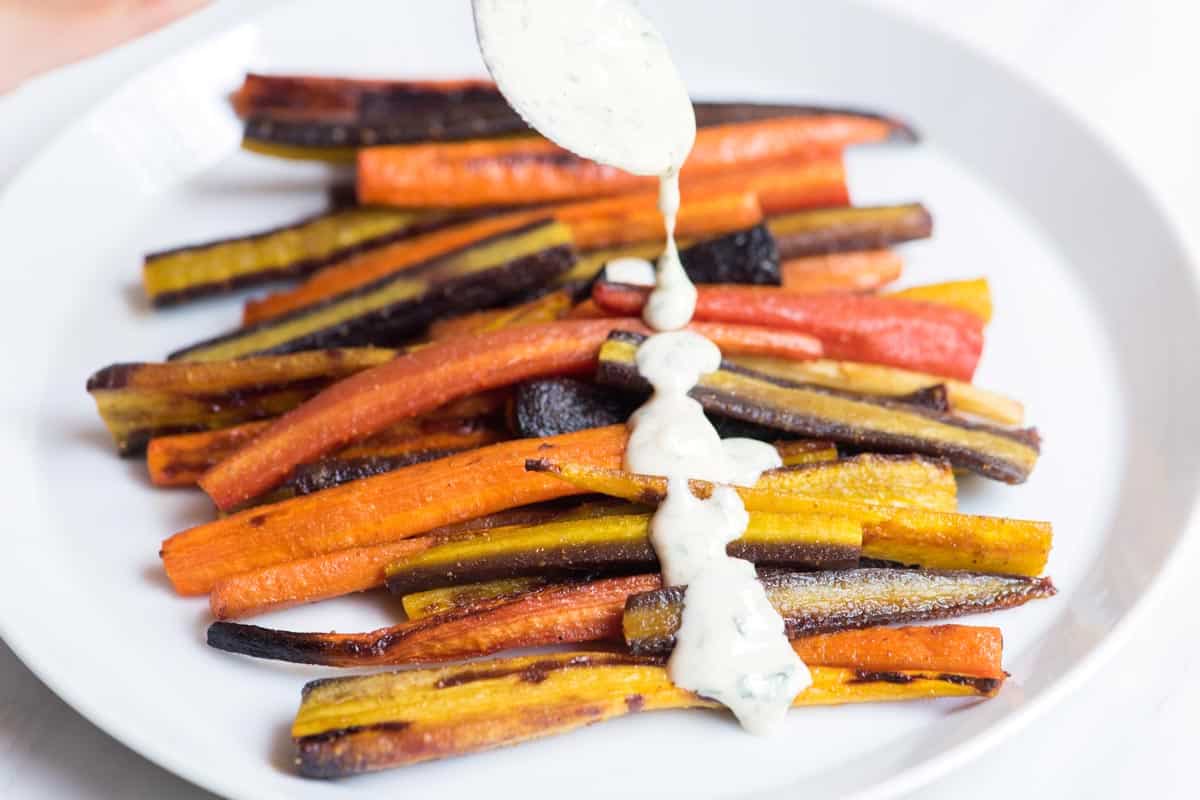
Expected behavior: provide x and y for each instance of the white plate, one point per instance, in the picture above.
(1097, 315)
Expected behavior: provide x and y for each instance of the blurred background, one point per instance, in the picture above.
(1128, 67)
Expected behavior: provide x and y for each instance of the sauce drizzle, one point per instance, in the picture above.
(595, 77)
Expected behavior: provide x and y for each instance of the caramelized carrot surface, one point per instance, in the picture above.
(386, 508)
(858, 271)
(431, 376)
(898, 332)
(532, 170)
(308, 580)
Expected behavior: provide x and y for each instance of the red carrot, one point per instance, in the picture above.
(926, 337)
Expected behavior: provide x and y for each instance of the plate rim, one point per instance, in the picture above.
(16, 633)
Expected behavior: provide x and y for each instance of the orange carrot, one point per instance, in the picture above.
(181, 460)
(438, 373)
(631, 218)
(308, 580)
(780, 186)
(584, 612)
(587, 310)
(386, 508)
(529, 169)
(859, 271)
(363, 268)
(341, 572)
(594, 224)
(546, 308)
(952, 649)
(941, 340)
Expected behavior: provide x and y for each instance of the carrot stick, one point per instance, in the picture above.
(593, 223)
(431, 376)
(386, 508)
(780, 186)
(181, 459)
(363, 268)
(625, 219)
(546, 308)
(574, 613)
(898, 332)
(532, 170)
(557, 614)
(341, 572)
(952, 649)
(841, 272)
(308, 580)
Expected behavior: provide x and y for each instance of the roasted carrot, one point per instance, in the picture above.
(431, 376)
(625, 219)
(532, 170)
(587, 310)
(574, 613)
(971, 295)
(593, 224)
(547, 308)
(368, 266)
(556, 614)
(181, 460)
(841, 272)
(341, 572)
(386, 508)
(780, 187)
(898, 332)
(307, 95)
(953, 649)
(308, 580)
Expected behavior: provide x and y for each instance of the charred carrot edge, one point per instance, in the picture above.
(932, 538)
(312, 94)
(557, 614)
(877, 330)
(434, 375)
(386, 508)
(547, 308)
(365, 723)
(531, 170)
(340, 572)
(861, 271)
(955, 649)
(973, 296)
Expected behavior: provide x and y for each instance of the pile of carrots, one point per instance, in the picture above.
(414, 446)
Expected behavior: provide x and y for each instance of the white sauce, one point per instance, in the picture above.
(633, 271)
(595, 77)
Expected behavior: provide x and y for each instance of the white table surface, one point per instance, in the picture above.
(1129, 67)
